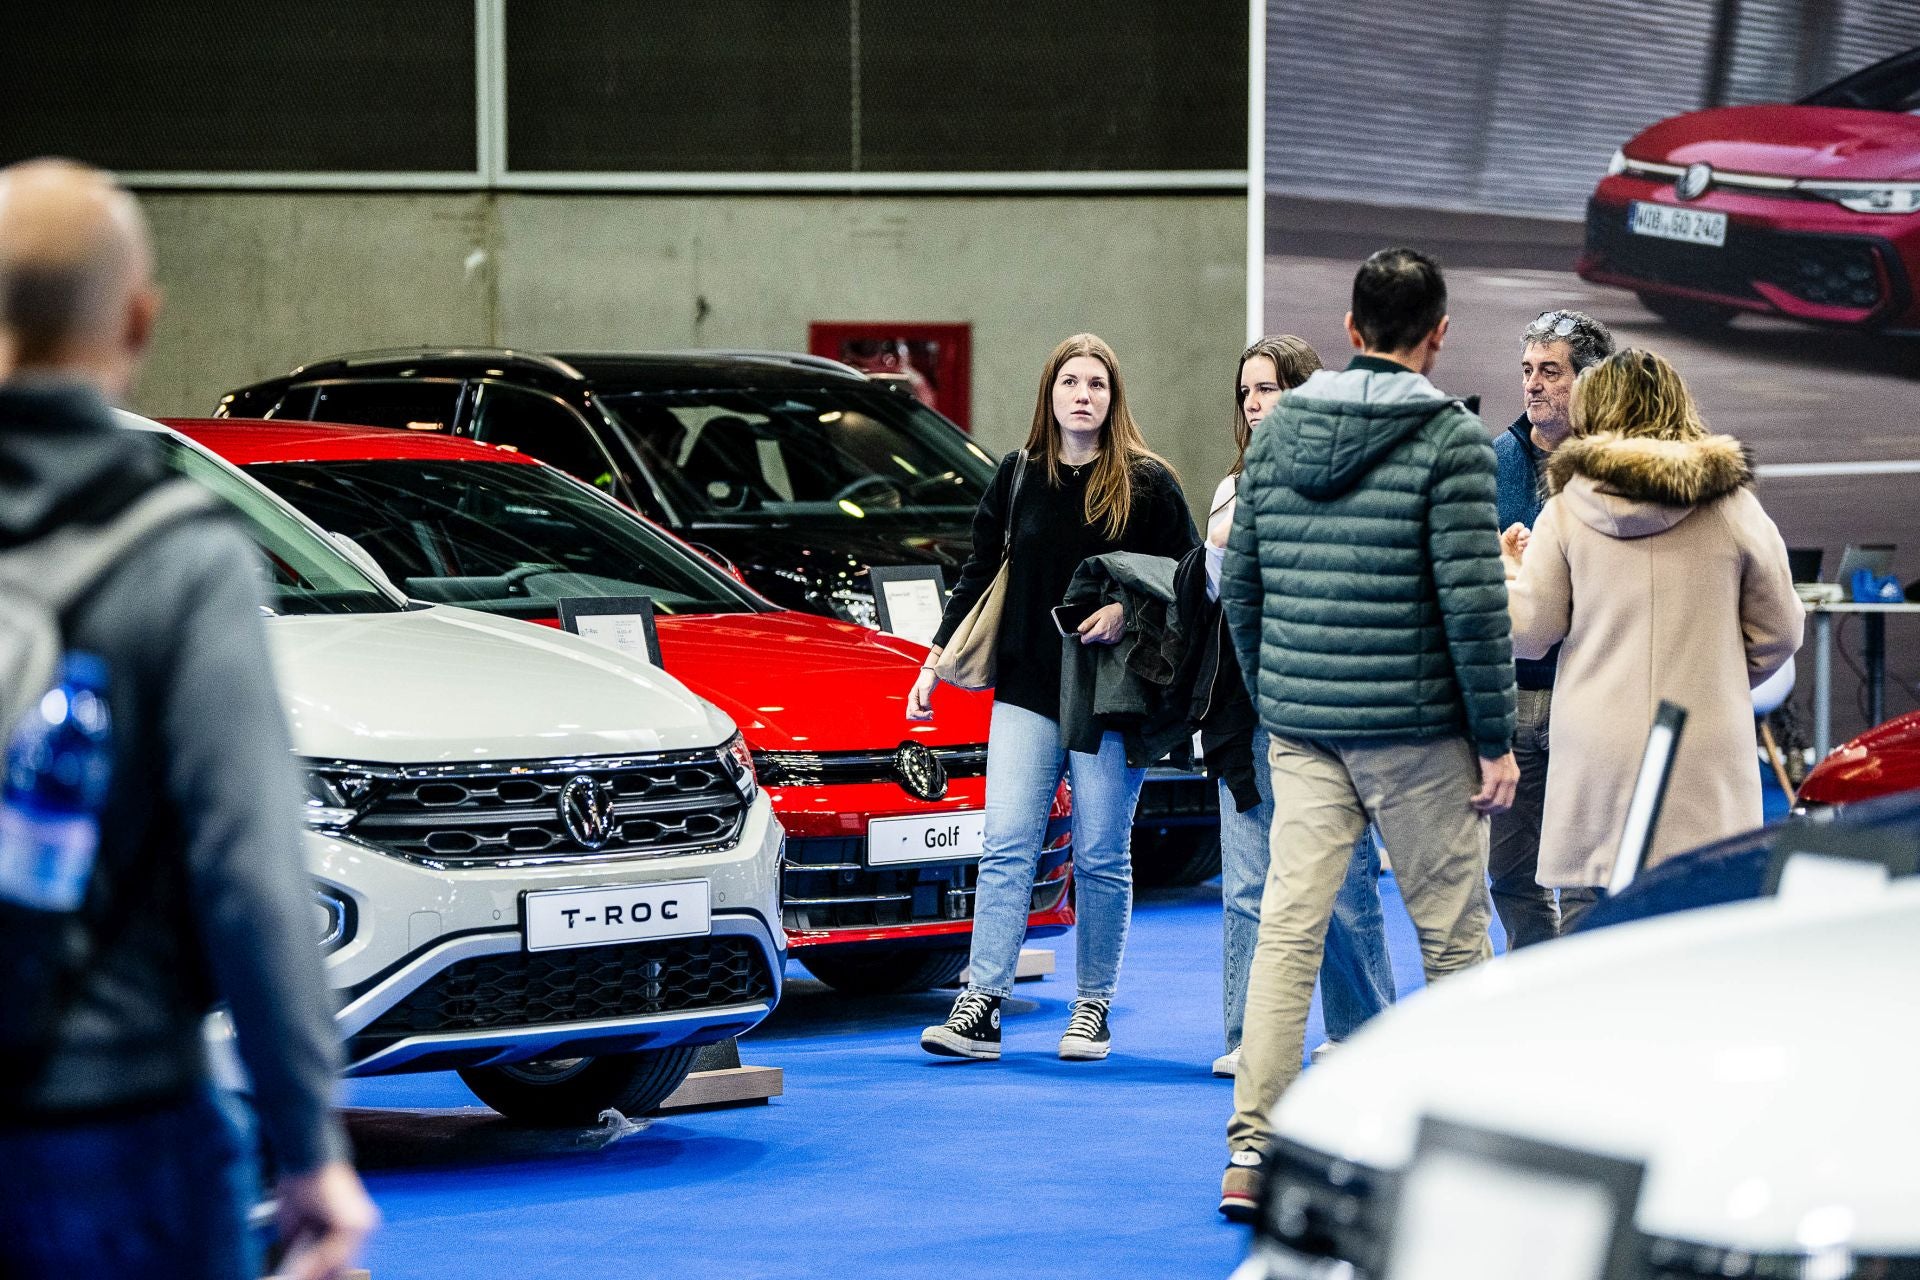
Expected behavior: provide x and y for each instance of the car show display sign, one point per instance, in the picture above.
(1487, 1204)
(618, 622)
(909, 599)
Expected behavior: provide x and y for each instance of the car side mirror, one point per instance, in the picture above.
(363, 560)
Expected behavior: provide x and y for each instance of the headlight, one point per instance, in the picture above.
(738, 762)
(336, 796)
(855, 606)
(1888, 197)
(334, 917)
(1618, 164)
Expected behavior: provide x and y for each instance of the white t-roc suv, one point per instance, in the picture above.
(536, 860)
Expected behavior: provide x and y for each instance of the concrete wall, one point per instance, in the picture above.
(257, 283)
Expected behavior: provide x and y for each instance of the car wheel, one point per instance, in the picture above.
(887, 971)
(1687, 315)
(574, 1091)
(1175, 857)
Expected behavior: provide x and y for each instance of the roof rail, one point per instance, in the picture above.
(501, 354)
(806, 359)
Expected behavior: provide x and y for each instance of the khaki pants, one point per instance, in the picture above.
(1324, 794)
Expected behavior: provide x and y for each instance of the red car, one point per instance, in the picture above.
(1883, 760)
(1809, 210)
(820, 702)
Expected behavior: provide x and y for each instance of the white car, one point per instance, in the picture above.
(536, 860)
(1759, 1060)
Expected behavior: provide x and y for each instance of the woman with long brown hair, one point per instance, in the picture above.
(1356, 976)
(1085, 484)
(1658, 573)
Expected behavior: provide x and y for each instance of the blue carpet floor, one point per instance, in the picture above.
(879, 1161)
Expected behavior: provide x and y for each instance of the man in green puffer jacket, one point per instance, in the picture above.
(1367, 603)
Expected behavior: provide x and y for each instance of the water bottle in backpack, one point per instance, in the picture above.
(59, 761)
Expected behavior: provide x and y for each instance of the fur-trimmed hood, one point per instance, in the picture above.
(1669, 473)
(1632, 486)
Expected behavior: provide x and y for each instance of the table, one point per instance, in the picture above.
(1873, 650)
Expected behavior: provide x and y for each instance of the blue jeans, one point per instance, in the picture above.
(148, 1196)
(1356, 978)
(1024, 760)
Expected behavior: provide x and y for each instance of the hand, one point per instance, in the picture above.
(1499, 779)
(920, 699)
(1104, 625)
(1513, 543)
(325, 1216)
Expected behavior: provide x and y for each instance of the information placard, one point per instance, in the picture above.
(618, 622)
(1491, 1205)
(909, 599)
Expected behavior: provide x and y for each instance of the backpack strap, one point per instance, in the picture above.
(59, 568)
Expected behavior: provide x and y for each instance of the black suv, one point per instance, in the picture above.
(800, 472)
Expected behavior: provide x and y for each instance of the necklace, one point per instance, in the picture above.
(1076, 468)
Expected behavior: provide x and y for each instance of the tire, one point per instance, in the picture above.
(1175, 857)
(1687, 315)
(572, 1092)
(887, 971)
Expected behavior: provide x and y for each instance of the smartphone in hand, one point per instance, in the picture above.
(1068, 617)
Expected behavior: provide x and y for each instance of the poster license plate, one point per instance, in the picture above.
(561, 918)
(1689, 226)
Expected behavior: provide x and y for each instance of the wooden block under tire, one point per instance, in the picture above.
(731, 1087)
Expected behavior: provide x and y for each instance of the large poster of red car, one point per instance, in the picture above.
(931, 362)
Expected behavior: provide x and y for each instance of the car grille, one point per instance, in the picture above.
(1836, 271)
(829, 768)
(827, 885)
(510, 814)
(525, 989)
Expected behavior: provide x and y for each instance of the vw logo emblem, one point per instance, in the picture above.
(920, 771)
(586, 811)
(1693, 181)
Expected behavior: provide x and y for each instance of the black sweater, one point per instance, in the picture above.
(1051, 536)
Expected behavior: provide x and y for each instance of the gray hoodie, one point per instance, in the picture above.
(199, 893)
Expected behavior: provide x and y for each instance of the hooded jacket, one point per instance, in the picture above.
(1362, 582)
(198, 891)
(1656, 570)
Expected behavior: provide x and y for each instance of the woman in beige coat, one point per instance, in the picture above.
(1655, 568)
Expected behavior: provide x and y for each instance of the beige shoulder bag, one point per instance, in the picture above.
(968, 661)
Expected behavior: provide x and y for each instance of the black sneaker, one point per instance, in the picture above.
(972, 1030)
(1087, 1038)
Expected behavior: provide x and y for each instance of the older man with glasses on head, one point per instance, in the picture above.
(1554, 350)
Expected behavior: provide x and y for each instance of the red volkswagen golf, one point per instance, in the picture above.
(1809, 210)
(884, 817)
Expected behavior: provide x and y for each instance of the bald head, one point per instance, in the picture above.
(76, 268)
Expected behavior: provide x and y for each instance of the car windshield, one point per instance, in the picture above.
(1892, 85)
(837, 454)
(305, 573)
(503, 537)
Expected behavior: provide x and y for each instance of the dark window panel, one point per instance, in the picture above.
(982, 85)
(727, 86)
(239, 85)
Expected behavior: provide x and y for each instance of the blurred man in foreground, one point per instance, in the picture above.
(116, 1158)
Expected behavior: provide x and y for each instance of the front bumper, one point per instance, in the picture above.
(434, 972)
(1799, 257)
(831, 896)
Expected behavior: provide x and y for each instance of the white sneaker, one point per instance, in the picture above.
(1322, 1049)
(1227, 1065)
